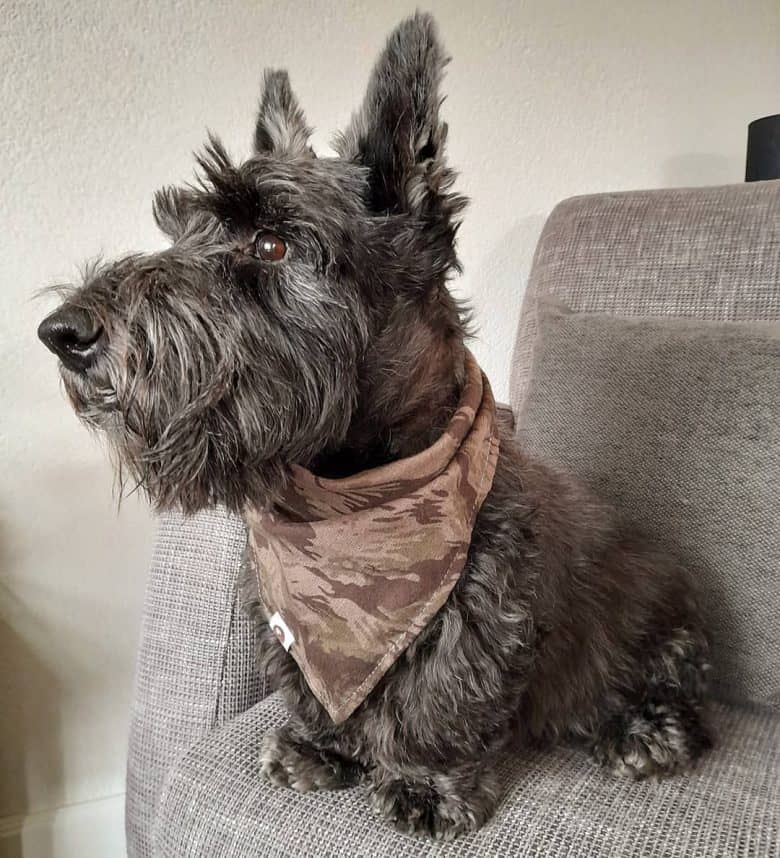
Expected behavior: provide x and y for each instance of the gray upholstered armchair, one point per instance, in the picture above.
(193, 787)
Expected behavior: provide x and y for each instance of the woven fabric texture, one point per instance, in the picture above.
(557, 803)
(195, 667)
(677, 422)
(707, 253)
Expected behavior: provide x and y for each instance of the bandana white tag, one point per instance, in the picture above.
(282, 631)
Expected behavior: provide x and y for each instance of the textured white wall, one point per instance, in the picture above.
(103, 102)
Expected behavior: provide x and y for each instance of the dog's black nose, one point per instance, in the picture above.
(73, 335)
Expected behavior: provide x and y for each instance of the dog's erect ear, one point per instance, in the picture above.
(172, 208)
(281, 127)
(397, 133)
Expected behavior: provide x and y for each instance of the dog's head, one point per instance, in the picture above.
(246, 345)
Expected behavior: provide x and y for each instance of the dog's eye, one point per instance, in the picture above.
(269, 247)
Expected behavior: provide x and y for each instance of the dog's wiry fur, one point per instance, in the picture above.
(218, 371)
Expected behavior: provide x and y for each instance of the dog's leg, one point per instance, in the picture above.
(289, 759)
(661, 731)
(440, 804)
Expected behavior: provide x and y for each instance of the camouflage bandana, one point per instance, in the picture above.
(350, 571)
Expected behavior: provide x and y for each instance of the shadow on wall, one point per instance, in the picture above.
(520, 245)
(29, 705)
(498, 284)
(696, 169)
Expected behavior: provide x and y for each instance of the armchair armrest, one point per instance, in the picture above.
(195, 667)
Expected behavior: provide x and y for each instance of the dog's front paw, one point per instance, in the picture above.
(434, 808)
(289, 761)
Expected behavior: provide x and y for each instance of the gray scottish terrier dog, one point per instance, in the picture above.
(301, 316)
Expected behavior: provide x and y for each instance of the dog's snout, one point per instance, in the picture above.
(73, 335)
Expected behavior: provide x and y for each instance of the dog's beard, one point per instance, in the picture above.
(191, 424)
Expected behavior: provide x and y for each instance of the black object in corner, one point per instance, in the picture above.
(763, 149)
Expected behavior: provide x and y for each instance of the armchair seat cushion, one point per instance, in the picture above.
(557, 802)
